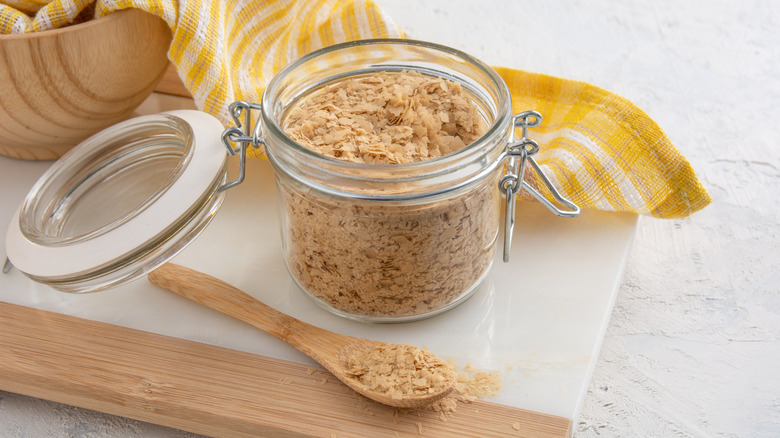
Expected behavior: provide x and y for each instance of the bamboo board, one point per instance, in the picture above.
(217, 391)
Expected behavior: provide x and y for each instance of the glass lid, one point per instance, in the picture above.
(121, 203)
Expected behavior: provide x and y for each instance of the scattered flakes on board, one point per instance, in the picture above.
(471, 384)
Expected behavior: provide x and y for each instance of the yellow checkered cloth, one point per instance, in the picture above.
(599, 149)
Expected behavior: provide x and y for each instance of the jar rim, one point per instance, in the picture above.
(504, 104)
(470, 163)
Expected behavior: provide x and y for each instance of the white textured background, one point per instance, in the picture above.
(692, 348)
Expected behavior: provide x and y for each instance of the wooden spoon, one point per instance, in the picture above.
(331, 350)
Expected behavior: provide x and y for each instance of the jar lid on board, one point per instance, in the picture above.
(121, 203)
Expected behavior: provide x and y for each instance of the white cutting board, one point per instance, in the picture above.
(538, 320)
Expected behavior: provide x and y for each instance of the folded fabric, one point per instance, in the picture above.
(602, 151)
(599, 149)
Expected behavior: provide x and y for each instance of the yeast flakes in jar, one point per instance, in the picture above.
(387, 177)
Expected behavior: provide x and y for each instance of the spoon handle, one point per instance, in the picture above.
(220, 296)
(329, 349)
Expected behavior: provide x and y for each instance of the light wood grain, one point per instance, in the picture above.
(171, 83)
(60, 86)
(216, 391)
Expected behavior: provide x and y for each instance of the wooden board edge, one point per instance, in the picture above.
(217, 391)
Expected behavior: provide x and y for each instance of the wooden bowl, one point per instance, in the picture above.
(58, 87)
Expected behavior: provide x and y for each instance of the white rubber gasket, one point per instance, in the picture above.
(62, 260)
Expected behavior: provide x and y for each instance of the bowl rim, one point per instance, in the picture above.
(98, 21)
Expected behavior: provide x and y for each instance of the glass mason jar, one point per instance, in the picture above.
(392, 242)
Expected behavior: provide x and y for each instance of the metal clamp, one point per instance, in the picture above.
(519, 153)
(246, 137)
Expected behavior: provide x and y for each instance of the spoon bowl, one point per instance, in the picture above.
(340, 354)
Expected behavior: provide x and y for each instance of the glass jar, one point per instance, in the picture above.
(388, 243)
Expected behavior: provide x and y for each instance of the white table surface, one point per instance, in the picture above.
(692, 347)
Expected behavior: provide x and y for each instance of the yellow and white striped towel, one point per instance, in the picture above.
(600, 149)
